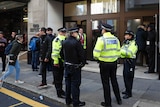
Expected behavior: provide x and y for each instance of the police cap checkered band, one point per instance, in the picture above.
(62, 29)
(129, 32)
(106, 27)
(75, 29)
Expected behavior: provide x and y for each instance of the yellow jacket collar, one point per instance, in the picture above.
(107, 34)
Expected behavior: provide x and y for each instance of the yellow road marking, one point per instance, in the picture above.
(22, 98)
(16, 104)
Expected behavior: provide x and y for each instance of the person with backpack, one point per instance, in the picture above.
(34, 46)
(3, 44)
(13, 60)
(45, 55)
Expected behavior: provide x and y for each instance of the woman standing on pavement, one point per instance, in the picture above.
(128, 52)
(13, 60)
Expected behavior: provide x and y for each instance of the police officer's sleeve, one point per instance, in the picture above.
(118, 48)
(81, 53)
(98, 48)
(56, 48)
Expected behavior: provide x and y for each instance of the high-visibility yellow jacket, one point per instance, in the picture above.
(85, 40)
(129, 49)
(56, 48)
(107, 48)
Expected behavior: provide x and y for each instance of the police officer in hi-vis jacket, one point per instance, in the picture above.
(58, 68)
(128, 53)
(107, 51)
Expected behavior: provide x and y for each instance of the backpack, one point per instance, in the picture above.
(33, 43)
(8, 48)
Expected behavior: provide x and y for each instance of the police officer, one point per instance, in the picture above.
(107, 51)
(128, 52)
(74, 61)
(58, 69)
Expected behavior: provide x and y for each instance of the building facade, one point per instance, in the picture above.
(29, 15)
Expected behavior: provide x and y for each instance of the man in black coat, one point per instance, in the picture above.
(141, 37)
(45, 55)
(151, 38)
(74, 60)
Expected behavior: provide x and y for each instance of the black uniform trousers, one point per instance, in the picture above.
(108, 72)
(128, 75)
(58, 73)
(43, 67)
(3, 56)
(73, 81)
(151, 55)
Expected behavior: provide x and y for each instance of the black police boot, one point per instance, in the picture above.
(104, 104)
(82, 103)
(124, 92)
(69, 101)
(119, 102)
(61, 94)
(126, 96)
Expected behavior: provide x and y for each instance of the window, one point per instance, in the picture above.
(75, 8)
(131, 5)
(104, 6)
(132, 24)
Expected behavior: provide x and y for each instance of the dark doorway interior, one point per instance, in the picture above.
(11, 21)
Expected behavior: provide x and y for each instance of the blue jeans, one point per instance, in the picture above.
(35, 59)
(10, 71)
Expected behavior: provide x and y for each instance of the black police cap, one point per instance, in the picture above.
(129, 32)
(107, 27)
(62, 29)
(74, 29)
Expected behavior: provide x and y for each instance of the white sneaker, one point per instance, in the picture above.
(3, 72)
(1, 83)
(19, 82)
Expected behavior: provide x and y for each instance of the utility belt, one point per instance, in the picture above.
(102, 62)
(73, 65)
(129, 60)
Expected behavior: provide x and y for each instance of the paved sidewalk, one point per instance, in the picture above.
(146, 88)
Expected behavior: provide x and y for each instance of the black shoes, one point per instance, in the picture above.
(104, 104)
(53, 82)
(61, 95)
(68, 102)
(80, 104)
(147, 72)
(119, 102)
(124, 92)
(126, 96)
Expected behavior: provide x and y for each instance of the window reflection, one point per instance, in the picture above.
(104, 6)
(75, 8)
(132, 24)
(131, 5)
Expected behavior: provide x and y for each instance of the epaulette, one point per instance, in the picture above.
(57, 39)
